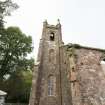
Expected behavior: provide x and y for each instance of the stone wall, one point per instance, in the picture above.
(87, 78)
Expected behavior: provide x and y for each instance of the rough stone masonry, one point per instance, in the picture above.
(67, 74)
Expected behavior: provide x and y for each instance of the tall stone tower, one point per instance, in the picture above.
(47, 80)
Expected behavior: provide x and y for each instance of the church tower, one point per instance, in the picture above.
(47, 82)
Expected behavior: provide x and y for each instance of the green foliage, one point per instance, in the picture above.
(18, 86)
(15, 68)
(6, 7)
(14, 47)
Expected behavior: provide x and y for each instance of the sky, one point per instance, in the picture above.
(83, 21)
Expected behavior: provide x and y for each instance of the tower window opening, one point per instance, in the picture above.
(52, 36)
(51, 85)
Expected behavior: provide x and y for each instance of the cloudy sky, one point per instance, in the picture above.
(83, 21)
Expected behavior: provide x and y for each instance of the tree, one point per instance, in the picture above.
(14, 47)
(6, 7)
(15, 68)
(18, 86)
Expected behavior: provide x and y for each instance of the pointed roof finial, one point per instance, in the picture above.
(45, 22)
(58, 21)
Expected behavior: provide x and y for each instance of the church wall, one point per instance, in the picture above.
(87, 79)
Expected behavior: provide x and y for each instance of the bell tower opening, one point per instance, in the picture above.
(52, 36)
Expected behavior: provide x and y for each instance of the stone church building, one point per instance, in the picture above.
(67, 74)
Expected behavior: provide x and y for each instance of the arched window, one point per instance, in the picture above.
(51, 85)
(52, 36)
(51, 56)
